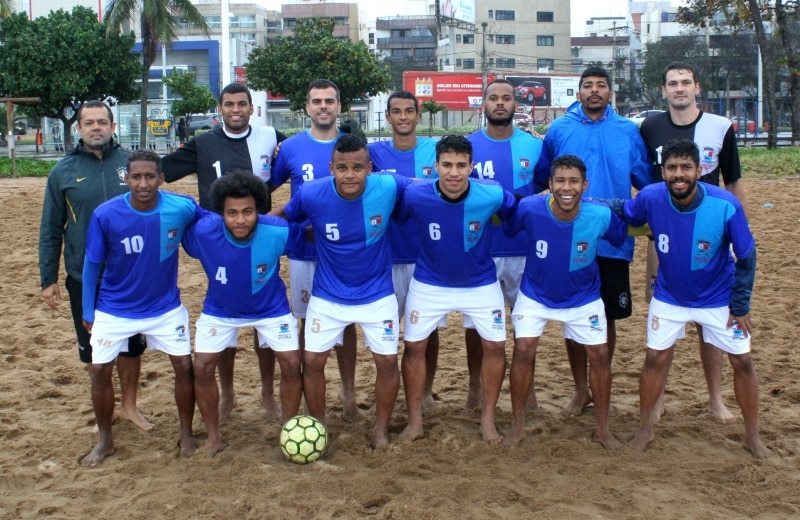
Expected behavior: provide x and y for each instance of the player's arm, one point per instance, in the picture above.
(731, 168)
(51, 239)
(181, 162)
(742, 289)
(641, 162)
(541, 172)
(91, 270)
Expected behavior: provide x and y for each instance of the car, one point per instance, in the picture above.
(530, 91)
(641, 116)
(202, 123)
(522, 120)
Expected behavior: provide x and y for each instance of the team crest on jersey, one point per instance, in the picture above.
(473, 231)
(581, 252)
(181, 331)
(703, 251)
(266, 169)
(594, 322)
(261, 273)
(388, 330)
(427, 172)
(173, 240)
(708, 155)
(524, 173)
(376, 221)
(122, 172)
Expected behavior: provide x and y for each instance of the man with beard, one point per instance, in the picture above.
(616, 159)
(507, 155)
(694, 226)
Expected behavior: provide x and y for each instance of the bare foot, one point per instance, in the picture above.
(379, 438)
(188, 446)
(757, 448)
(429, 402)
(642, 439)
(490, 435)
(96, 428)
(212, 448)
(349, 407)
(514, 437)
(721, 412)
(532, 403)
(136, 417)
(270, 406)
(474, 398)
(580, 400)
(226, 406)
(410, 434)
(97, 455)
(660, 409)
(608, 441)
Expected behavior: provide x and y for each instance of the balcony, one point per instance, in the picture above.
(410, 40)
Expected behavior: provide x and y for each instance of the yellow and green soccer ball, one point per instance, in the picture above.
(303, 439)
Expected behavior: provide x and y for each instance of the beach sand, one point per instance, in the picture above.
(696, 467)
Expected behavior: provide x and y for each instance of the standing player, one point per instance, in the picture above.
(454, 272)
(349, 214)
(694, 225)
(236, 146)
(616, 159)
(137, 237)
(562, 283)
(240, 252)
(303, 158)
(408, 155)
(716, 140)
(90, 174)
(506, 155)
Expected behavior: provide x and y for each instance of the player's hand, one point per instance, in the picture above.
(52, 295)
(744, 323)
(87, 326)
(277, 149)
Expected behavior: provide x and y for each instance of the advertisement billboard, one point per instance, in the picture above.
(463, 10)
(457, 91)
(545, 90)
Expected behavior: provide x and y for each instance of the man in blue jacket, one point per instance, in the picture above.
(616, 158)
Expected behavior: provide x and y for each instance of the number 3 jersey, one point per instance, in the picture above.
(243, 277)
(140, 251)
(561, 267)
(695, 264)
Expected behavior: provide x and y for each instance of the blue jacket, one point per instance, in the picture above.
(615, 155)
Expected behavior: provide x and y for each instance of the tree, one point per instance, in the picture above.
(397, 67)
(64, 59)
(658, 55)
(158, 20)
(432, 108)
(195, 98)
(287, 67)
(6, 8)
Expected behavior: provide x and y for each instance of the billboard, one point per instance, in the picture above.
(463, 10)
(545, 90)
(457, 91)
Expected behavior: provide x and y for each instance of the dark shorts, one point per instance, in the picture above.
(136, 344)
(615, 287)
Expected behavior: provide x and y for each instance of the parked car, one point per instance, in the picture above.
(522, 120)
(202, 123)
(639, 117)
(530, 91)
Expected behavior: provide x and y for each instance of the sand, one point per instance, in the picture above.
(696, 468)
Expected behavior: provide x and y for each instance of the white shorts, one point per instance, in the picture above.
(585, 324)
(214, 334)
(301, 280)
(428, 304)
(326, 321)
(509, 274)
(168, 333)
(666, 324)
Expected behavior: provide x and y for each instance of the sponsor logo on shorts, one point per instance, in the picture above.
(388, 330)
(181, 330)
(498, 323)
(427, 172)
(624, 300)
(738, 333)
(594, 322)
(284, 332)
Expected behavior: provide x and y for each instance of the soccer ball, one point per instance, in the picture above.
(303, 439)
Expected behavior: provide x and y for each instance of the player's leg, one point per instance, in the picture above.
(103, 403)
(523, 365)
(472, 340)
(711, 357)
(414, 377)
(184, 399)
(227, 400)
(387, 384)
(266, 368)
(346, 355)
(600, 379)
(578, 359)
(291, 383)
(207, 396)
(745, 385)
(322, 328)
(431, 363)
(129, 368)
(280, 336)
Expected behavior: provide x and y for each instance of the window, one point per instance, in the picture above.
(469, 38)
(544, 16)
(546, 63)
(490, 37)
(372, 38)
(401, 33)
(458, 62)
(491, 14)
(458, 38)
(505, 38)
(424, 51)
(545, 41)
(290, 23)
(506, 63)
(469, 63)
(491, 62)
(504, 15)
(401, 53)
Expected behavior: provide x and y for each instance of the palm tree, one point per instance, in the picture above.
(158, 20)
(6, 8)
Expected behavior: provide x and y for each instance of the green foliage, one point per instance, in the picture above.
(287, 67)
(432, 108)
(196, 99)
(64, 59)
(688, 48)
(763, 163)
(397, 67)
(6, 8)
(26, 167)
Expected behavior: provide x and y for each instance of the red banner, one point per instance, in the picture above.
(457, 91)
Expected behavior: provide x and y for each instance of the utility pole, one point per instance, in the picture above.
(10, 118)
(484, 66)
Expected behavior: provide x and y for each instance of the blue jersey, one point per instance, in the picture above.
(355, 266)
(301, 159)
(509, 162)
(455, 244)
(416, 163)
(140, 251)
(615, 155)
(695, 265)
(243, 277)
(561, 267)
